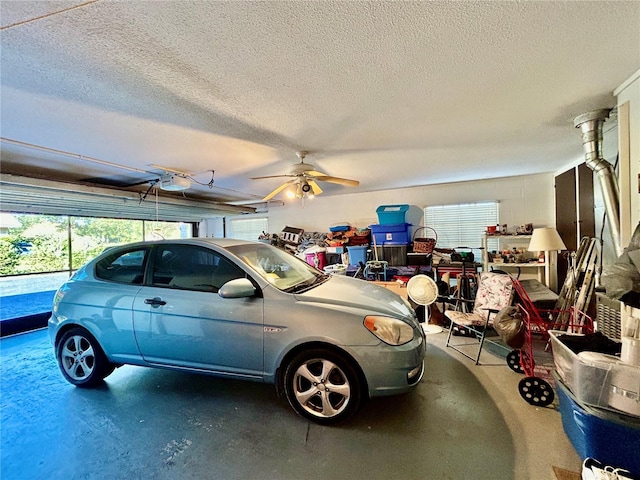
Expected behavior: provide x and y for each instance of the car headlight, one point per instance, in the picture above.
(389, 330)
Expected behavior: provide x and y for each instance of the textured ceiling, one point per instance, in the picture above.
(393, 94)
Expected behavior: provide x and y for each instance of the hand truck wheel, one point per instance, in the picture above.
(513, 360)
(536, 391)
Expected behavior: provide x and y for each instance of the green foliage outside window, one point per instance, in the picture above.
(41, 242)
(9, 255)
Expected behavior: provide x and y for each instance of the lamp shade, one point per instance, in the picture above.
(546, 239)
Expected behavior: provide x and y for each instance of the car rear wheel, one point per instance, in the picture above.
(81, 359)
(323, 386)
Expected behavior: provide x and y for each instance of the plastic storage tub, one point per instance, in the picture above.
(605, 381)
(395, 255)
(563, 357)
(336, 269)
(610, 438)
(391, 214)
(391, 234)
(597, 379)
(357, 254)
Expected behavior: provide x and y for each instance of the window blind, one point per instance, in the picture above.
(247, 228)
(461, 225)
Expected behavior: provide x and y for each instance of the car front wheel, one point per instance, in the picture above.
(81, 359)
(323, 386)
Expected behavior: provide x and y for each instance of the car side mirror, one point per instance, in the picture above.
(238, 288)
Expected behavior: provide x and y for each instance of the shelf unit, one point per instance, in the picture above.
(542, 270)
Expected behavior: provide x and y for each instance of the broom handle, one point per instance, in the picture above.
(375, 247)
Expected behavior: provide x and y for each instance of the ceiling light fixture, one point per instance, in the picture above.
(303, 190)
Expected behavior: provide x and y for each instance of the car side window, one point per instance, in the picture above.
(123, 267)
(190, 267)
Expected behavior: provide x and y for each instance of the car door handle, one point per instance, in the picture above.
(155, 302)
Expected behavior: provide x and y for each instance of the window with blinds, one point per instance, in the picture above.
(247, 228)
(461, 225)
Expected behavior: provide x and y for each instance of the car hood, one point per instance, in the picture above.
(359, 294)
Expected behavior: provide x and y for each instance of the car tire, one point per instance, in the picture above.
(81, 359)
(323, 386)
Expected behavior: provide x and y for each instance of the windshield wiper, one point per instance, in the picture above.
(309, 284)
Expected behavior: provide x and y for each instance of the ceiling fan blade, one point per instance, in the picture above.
(272, 176)
(315, 188)
(278, 190)
(341, 181)
(315, 173)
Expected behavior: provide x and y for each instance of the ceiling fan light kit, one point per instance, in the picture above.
(304, 178)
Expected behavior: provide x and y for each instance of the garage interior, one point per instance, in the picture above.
(205, 115)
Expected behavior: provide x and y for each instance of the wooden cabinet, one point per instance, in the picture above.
(575, 211)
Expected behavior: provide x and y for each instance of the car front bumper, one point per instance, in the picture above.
(392, 370)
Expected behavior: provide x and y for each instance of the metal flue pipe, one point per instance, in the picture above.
(590, 124)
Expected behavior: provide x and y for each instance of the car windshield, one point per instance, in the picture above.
(283, 270)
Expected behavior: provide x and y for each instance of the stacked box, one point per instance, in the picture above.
(357, 254)
(291, 235)
(395, 255)
(391, 214)
(391, 234)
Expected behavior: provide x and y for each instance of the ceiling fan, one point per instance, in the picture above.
(305, 177)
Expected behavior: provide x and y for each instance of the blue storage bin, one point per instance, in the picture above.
(391, 234)
(610, 438)
(390, 214)
(357, 254)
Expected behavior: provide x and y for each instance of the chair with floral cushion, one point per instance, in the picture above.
(495, 292)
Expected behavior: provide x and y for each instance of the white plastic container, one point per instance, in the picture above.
(630, 352)
(605, 381)
(597, 379)
(337, 269)
(624, 389)
(592, 379)
(563, 358)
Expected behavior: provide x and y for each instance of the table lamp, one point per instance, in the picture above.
(547, 240)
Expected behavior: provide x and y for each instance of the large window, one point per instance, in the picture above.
(53, 243)
(244, 228)
(90, 236)
(39, 252)
(461, 225)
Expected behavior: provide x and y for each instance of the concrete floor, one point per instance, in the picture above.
(462, 422)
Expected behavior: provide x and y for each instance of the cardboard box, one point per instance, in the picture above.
(396, 287)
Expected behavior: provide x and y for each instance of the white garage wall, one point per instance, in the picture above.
(524, 199)
(629, 105)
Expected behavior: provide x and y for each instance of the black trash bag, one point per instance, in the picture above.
(591, 342)
(622, 279)
(509, 325)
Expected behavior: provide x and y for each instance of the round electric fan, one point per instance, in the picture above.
(424, 291)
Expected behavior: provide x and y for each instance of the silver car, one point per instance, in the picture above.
(238, 309)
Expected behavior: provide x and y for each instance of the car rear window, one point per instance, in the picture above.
(122, 267)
